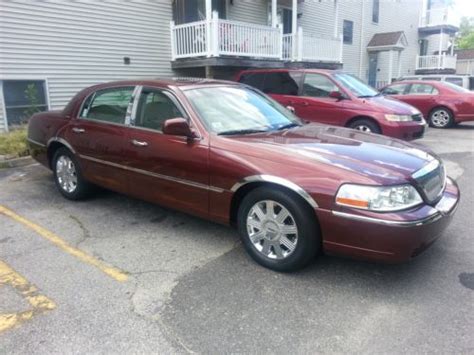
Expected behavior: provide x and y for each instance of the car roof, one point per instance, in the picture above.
(182, 82)
(411, 81)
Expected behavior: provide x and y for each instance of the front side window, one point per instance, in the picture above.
(347, 31)
(375, 10)
(238, 110)
(317, 85)
(109, 105)
(154, 108)
(23, 98)
(281, 83)
(397, 89)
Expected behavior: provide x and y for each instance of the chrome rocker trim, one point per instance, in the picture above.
(278, 181)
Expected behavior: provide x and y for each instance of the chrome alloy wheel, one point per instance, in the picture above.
(272, 229)
(440, 118)
(363, 128)
(66, 174)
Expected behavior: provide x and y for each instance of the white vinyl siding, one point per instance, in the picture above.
(74, 44)
(255, 11)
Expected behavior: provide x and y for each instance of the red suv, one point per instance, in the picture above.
(337, 98)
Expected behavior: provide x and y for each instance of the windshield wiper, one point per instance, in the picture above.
(289, 125)
(241, 131)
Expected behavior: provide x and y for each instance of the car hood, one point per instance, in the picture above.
(390, 105)
(381, 159)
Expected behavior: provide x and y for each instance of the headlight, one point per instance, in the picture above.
(378, 198)
(398, 118)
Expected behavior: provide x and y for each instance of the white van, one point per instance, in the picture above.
(464, 81)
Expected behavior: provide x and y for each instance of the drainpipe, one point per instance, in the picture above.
(274, 13)
(336, 18)
(362, 21)
(440, 48)
(294, 28)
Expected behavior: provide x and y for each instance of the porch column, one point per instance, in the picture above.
(452, 46)
(336, 18)
(440, 48)
(274, 13)
(294, 28)
(208, 10)
(209, 45)
(390, 66)
(399, 64)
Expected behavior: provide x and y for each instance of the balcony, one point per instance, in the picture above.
(436, 64)
(218, 38)
(439, 18)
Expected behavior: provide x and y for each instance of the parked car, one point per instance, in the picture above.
(337, 98)
(444, 104)
(465, 81)
(228, 153)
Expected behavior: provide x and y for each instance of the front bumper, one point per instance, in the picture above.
(404, 130)
(388, 237)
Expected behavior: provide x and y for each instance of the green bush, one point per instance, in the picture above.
(14, 142)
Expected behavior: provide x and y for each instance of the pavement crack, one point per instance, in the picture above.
(85, 231)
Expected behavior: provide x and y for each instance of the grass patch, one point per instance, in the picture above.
(14, 143)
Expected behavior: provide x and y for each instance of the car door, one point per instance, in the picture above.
(97, 135)
(283, 86)
(165, 169)
(315, 104)
(422, 96)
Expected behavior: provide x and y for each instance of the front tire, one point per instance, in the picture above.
(68, 176)
(441, 117)
(278, 230)
(365, 125)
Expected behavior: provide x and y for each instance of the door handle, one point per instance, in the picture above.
(138, 143)
(78, 130)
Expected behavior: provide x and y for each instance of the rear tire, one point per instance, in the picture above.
(68, 176)
(365, 125)
(278, 229)
(441, 117)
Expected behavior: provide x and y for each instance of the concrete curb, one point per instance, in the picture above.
(17, 162)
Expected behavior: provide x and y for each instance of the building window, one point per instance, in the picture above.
(185, 11)
(23, 98)
(375, 10)
(347, 30)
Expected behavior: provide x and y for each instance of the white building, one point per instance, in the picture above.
(51, 49)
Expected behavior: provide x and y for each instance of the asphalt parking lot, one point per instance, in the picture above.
(113, 274)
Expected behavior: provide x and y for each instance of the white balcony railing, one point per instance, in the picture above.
(219, 37)
(439, 17)
(436, 62)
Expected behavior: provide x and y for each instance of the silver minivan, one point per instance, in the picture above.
(465, 81)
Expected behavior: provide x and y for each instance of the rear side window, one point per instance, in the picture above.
(317, 85)
(253, 79)
(422, 89)
(436, 78)
(109, 105)
(398, 89)
(282, 83)
(456, 81)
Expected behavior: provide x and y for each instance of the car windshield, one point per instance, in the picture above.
(355, 85)
(229, 110)
(455, 87)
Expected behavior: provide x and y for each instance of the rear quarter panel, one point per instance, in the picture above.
(41, 128)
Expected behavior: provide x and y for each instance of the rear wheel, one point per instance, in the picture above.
(278, 230)
(365, 125)
(441, 118)
(67, 175)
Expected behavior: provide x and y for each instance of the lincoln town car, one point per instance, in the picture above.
(228, 153)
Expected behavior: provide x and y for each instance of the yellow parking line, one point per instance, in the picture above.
(113, 272)
(39, 302)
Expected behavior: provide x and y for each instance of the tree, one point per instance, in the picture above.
(465, 39)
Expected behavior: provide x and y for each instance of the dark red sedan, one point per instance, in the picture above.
(228, 153)
(442, 103)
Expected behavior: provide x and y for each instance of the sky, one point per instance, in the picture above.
(464, 7)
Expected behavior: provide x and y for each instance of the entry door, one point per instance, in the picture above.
(373, 62)
(98, 135)
(166, 169)
(285, 19)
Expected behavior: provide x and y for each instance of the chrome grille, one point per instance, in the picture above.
(432, 179)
